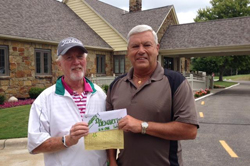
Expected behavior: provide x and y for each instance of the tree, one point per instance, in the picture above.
(205, 64)
(218, 64)
(223, 9)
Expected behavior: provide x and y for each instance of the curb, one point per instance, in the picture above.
(20, 143)
(2, 142)
(210, 94)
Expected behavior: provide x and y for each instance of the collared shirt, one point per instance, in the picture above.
(52, 114)
(151, 102)
(79, 99)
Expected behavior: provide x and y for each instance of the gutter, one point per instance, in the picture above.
(24, 39)
(207, 50)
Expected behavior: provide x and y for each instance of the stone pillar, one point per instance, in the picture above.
(192, 81)
(135, 5)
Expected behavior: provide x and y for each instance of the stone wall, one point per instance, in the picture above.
(184, 62)
(135, 5)
(91, 62)
(22, 68)
(170, 20)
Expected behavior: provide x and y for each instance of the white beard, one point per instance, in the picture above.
(77, 76)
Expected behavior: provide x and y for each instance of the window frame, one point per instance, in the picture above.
(49, 61)
(168, 63)
(6, 60)
(119, 57)
(101, 65)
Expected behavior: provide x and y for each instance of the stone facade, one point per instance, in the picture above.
(185, 65)
(22, 67)
(135, 5)
(167, 22)
(91, 62)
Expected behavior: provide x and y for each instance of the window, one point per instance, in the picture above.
(43, 62)
(119, 64)
(4, 61)
(100, 64)
(186, 65)
(168, 63)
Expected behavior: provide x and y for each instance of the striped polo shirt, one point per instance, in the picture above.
(79, 99)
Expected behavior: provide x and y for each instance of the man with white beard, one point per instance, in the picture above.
(56, 126)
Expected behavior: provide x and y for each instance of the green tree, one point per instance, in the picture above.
(205, 64)
(222, 9)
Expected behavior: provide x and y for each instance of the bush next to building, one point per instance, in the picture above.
(2, 99)
(34, 92)
(201, 93)
(105, 88)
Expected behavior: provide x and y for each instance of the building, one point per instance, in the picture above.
(31, 29)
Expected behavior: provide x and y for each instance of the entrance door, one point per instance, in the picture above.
(168, 63)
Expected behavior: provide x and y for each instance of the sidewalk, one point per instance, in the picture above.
(14, 152)
(13, 143)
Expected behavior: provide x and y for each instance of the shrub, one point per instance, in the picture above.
(105, 88)
(16, 103)
(34, 92)
(201, 93)
(2, 99)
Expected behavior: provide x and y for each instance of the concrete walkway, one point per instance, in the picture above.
(14, 152)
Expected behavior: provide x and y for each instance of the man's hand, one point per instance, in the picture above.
(128, 123)
(77, 131)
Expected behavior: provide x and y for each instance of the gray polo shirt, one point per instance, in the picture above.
(151, 102)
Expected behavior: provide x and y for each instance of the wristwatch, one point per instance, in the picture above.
(144, 126)
(64, 141)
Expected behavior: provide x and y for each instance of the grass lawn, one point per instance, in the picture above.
(244, 77)
(224, 84)
(14, 122)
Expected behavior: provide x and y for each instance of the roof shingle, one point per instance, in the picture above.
(123, 21)
(45, 20)
(215, 33)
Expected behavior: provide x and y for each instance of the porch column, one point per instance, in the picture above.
(160, 57)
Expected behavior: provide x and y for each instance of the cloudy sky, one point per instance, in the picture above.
(186, 9)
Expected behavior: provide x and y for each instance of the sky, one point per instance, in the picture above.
(186, 10)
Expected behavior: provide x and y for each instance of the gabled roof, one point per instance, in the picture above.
(44, 20)
(98, 24)
(233, 33)
(152, 17)
(123, 21)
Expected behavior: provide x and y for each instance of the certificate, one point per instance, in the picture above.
(111, 139)
(103, 121)
(103, 130)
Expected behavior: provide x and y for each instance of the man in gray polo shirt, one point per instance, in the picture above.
(161, 109)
